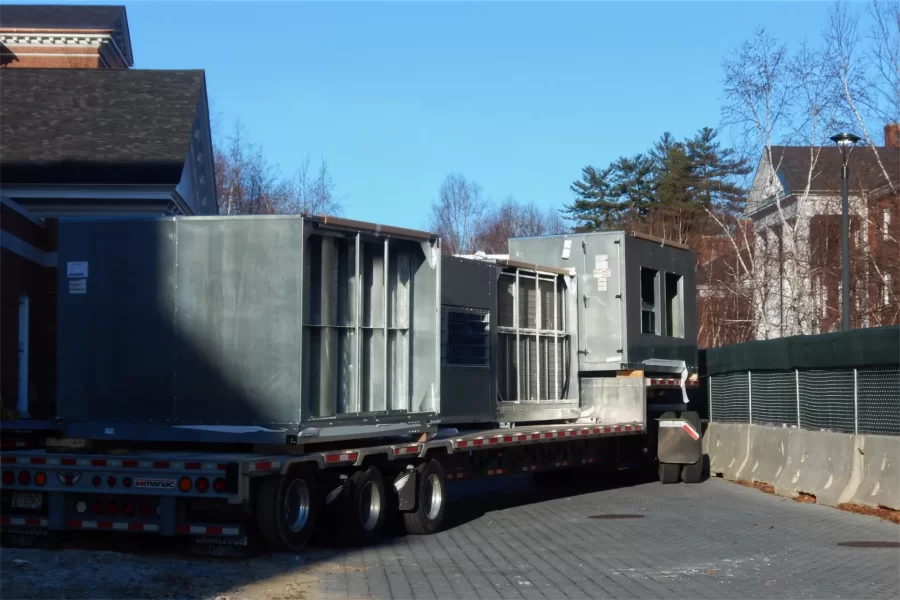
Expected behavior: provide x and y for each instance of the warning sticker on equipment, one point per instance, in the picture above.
(77, 269)
(78, 286)
(601, 284)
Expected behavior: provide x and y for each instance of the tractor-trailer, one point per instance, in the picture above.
(232, 379)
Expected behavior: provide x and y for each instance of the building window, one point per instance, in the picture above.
(649, 307)
(886, 290)
(886, 224)
(674, 306)
(466, 339)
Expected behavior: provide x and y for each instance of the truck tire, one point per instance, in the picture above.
(692, 473)
(669, 472)
(287, 509)
(363, 507)
(431, 499)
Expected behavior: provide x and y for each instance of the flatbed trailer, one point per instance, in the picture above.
(227, 498)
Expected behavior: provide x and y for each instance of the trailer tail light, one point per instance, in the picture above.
(126, 481)
(40, 478)
(202, 485)
(184, 484)
(24, 477)
(111, 481)
(9, 478)
(128, 509)
(112, 508)
(145, 510)
(96, 480)
(219, 485)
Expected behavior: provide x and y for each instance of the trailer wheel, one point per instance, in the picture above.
(669, 472)
(286, 510)
(363, 508)
(431, 499)
(692, 473)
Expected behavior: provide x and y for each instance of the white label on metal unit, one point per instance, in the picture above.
(567, 249)
(77, 269)
(601, 262)
(614, 359)
(601, 284)
(78, 286)
(156, 484)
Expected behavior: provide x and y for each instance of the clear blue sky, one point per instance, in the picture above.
(517, 96)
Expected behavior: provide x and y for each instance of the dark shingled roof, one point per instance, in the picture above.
(96, 125)
(54, 17)
(793, 163)
(29, 16)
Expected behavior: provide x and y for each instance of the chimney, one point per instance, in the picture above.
(892, 135)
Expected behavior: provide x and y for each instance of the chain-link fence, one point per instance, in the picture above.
(857, 400)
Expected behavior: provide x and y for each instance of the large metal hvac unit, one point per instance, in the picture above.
(277, 322)
(636, 298)
(508, 342)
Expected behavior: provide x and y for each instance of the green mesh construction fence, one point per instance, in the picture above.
(846, 382)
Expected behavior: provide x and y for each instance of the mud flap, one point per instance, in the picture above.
(679, 442)
(405, 487)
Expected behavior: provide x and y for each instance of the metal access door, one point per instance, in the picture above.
(602, 296)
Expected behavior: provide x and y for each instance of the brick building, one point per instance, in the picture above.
(64, 36)
(799, 188)
(81, 134)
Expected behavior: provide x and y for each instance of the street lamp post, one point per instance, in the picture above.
(845, 142)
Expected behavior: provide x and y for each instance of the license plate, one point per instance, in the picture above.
(26, 500)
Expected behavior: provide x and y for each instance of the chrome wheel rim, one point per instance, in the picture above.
(296, 505)
(369, 506)
(433, 496)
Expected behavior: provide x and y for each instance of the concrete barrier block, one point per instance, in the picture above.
(825, 466)
(726, 446)
(769, 449)
(879, 483)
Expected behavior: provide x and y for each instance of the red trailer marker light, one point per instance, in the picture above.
(145, 510)
(202, 485)
(112, 508)
(9, 478)
(219, 485)
(96, 480)
(126, 481)
(184, 484)
(111, 481)
(40, 478)
(128, 509)
(24, 477)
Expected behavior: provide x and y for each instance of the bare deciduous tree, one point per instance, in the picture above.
(457, 213)
(248, 184)
(515, 219)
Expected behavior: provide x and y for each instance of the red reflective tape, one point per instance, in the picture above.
(38, 461)
(618, 429)
(7, 460)
(598, 429)
(507, 438)
(495, 440)
(628, 428)
(521, 438)
(691, 431)
(67, 461)
(214, 530)
(585, 431)
(193, 465)
(221, 467)
(98, 462)
(104, 525)
(73, 524)
(535, 436)
(267, 464)
(462, 444)
(32, 522)
(4, 520)
(130, 463)
(548, 435)
(182, 529)
(477, 442)
(160, 464)
(135, 527)
(329, 458)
